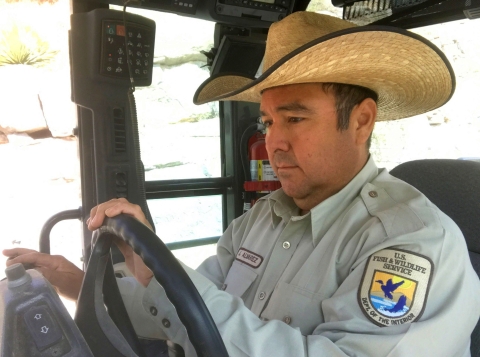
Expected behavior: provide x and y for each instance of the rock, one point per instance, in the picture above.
(3, 138)
(20, 139)
(19, 100)
(58, 109)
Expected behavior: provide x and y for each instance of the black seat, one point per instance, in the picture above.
(454, 187)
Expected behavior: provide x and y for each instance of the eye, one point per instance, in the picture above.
(295, 119)
(267, 123)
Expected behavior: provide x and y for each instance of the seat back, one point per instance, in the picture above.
(454, 187)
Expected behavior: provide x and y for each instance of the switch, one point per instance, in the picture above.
(42, 327)
(121, 179)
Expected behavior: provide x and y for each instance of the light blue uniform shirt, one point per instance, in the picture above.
(282, 284)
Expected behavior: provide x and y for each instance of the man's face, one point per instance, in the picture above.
(310, 156)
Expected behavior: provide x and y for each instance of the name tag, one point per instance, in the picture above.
(252, 259)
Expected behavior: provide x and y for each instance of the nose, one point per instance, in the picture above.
(277, 139)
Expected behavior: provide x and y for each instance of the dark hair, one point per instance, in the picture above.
(347, 96)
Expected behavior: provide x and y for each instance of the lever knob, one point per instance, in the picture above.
(17, 276)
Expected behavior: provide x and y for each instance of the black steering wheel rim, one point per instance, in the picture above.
(179, 289)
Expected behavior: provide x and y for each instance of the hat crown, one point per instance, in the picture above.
(409, 74)
(296, 30)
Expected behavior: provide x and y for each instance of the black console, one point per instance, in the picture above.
(33, 320)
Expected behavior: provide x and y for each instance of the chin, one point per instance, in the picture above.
(293, 192)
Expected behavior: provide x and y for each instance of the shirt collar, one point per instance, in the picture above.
(282, 207)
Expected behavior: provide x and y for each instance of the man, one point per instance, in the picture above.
(344, 260)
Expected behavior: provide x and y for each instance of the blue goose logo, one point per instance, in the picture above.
(389, 287)
(394, 297)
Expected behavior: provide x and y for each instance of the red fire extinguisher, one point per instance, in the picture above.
(262, 177)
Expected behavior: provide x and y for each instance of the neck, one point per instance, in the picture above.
(307, 203)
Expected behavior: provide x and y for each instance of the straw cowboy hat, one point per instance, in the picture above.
(409, 74)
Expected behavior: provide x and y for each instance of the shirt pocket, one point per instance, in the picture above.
(239, 279)
(295, 306)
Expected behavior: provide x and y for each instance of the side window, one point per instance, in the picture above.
(38, 153)
(449, 132)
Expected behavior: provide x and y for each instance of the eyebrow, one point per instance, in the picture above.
(291, 107)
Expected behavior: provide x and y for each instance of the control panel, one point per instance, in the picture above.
(44, 329)
(279, 7)
(33, 320)
(185, 6)
(123, 46)
(264, 10)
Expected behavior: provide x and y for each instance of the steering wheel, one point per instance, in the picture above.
(102, 335)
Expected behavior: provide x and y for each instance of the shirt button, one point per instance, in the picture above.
(166, 323)
(373, 194)
(262, 295)
(286, 245)
(287, 320)
(224, 287)
(153, 310)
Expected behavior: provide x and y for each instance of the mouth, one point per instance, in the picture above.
(285, 167)
(283, 161)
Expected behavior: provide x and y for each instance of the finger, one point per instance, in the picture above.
(121, 206)
(100, 208)
(14, 252)
(93, 212)
(97, 213)
(125, 207)
(130, 209)
(35, 259)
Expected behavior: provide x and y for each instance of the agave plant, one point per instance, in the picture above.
(24, 46)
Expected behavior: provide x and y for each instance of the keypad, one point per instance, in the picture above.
(139, 42)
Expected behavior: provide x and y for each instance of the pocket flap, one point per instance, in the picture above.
(239, 279)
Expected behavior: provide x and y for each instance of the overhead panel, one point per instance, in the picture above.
(407, 13)
(245, 13)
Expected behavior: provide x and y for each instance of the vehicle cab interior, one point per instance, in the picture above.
(115, 66)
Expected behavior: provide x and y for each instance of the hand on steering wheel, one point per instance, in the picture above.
(111, 209)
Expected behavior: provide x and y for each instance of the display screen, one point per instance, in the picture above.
(267, 1)
(120, 30)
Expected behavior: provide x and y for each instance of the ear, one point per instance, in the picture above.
(363, 119)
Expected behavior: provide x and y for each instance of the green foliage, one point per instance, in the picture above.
(169, 164)
(24, 46)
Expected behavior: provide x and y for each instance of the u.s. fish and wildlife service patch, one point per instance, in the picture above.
(395, 286)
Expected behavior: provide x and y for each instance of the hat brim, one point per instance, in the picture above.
(410, 75)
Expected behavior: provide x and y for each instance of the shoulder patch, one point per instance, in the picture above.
(395, 286)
